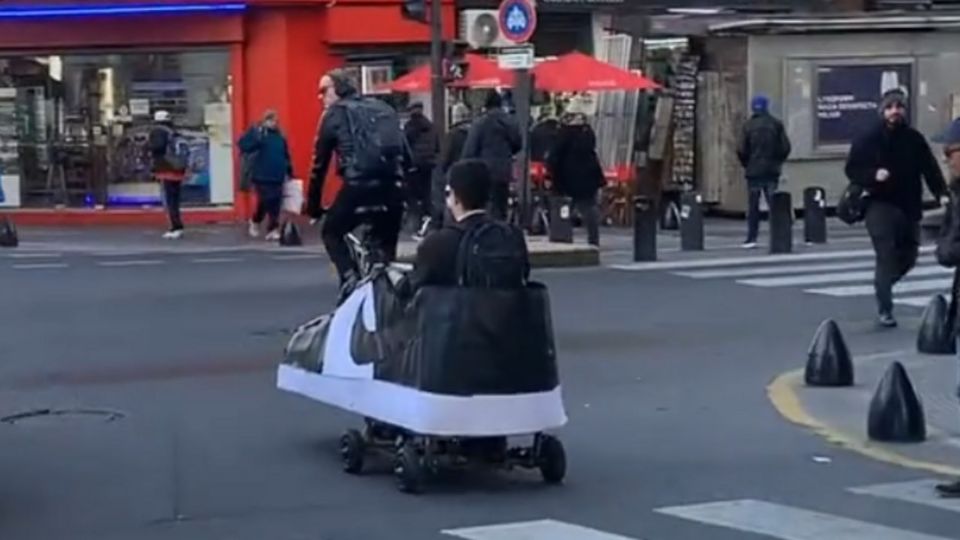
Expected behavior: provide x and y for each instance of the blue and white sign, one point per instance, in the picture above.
(518, 20)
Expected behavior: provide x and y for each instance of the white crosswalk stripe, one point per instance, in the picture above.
(839, 274)
(789, 523)
(546, 529)
(916, 492)
(754, 519)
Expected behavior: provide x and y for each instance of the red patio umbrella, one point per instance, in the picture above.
(577, 72)
(481, 73)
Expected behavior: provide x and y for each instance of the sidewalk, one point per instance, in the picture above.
(840, 414)
(113, 241)
(722, 239)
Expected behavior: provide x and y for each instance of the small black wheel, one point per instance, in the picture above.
(408, 468)
(352, 451)
(551, 459)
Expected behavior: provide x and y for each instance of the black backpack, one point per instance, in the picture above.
(852, 206)
(8, 233)
(493, 254)
(378, 140)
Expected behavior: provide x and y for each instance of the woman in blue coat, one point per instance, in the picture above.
(268, 158)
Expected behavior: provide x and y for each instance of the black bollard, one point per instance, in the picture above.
(828, 359)
(814, 215)
(691, 222)
(936, 334)
(781, 223)
(561, 224)
(896, 414)
(644, 229)
(8, 233)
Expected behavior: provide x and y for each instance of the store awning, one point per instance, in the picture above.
(577, 72)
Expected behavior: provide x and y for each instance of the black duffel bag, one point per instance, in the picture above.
(477, 341)
(852, 206)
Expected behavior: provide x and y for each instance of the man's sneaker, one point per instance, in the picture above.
(886, 320)
(273, 236)
(173, 235)
(749, 245)
(253, 230)
(951, 490)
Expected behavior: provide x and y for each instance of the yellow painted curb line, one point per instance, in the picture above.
(783, 395)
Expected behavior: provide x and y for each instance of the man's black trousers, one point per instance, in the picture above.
(896, 242)
(355, 206)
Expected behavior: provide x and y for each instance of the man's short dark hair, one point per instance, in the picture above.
(493, 100)
(470, 182)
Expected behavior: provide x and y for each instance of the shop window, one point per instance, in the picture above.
(73, 127)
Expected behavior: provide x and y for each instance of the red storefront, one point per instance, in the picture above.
(80, 81)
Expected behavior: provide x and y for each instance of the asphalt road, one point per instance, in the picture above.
(664, 378)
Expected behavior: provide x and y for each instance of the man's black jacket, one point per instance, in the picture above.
(763, 147)
(436, 261)
(494, 138)
(905, 153)
(333, 135)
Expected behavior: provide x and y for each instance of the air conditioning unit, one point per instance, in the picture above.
(480, 29)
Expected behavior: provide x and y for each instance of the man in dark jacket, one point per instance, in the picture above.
(468, 194)
(888, 161)
(455, 139)
(425, 147)
(162, 142)
(762, 149)
(948, 247)
(377, 201)
(495, 138)
(270, 168)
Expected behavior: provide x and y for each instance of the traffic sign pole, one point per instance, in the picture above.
(518, 22)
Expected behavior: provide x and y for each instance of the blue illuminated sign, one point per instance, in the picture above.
(133, 9)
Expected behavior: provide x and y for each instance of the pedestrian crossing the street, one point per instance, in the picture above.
(755, 519)
(840, 274)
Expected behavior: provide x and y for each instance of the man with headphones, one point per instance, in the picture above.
(371, 196)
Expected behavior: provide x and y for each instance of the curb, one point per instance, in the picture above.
(782, 394)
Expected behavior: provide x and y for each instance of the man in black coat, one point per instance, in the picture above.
(888, 161)
(377, 201)
(762, 149)
(467, 193)
(495, 138)
(425, 147)
(948, 246)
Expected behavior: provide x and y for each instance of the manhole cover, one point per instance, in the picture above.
(48, 415)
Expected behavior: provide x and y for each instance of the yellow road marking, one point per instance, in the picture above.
(783, 394)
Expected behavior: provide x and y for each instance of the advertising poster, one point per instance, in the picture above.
(848, 98)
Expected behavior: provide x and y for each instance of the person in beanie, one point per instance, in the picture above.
(762, 149)
(171, 176)
(887, 162)
(948, 246)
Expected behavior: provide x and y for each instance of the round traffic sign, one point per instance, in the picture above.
(518, 20)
